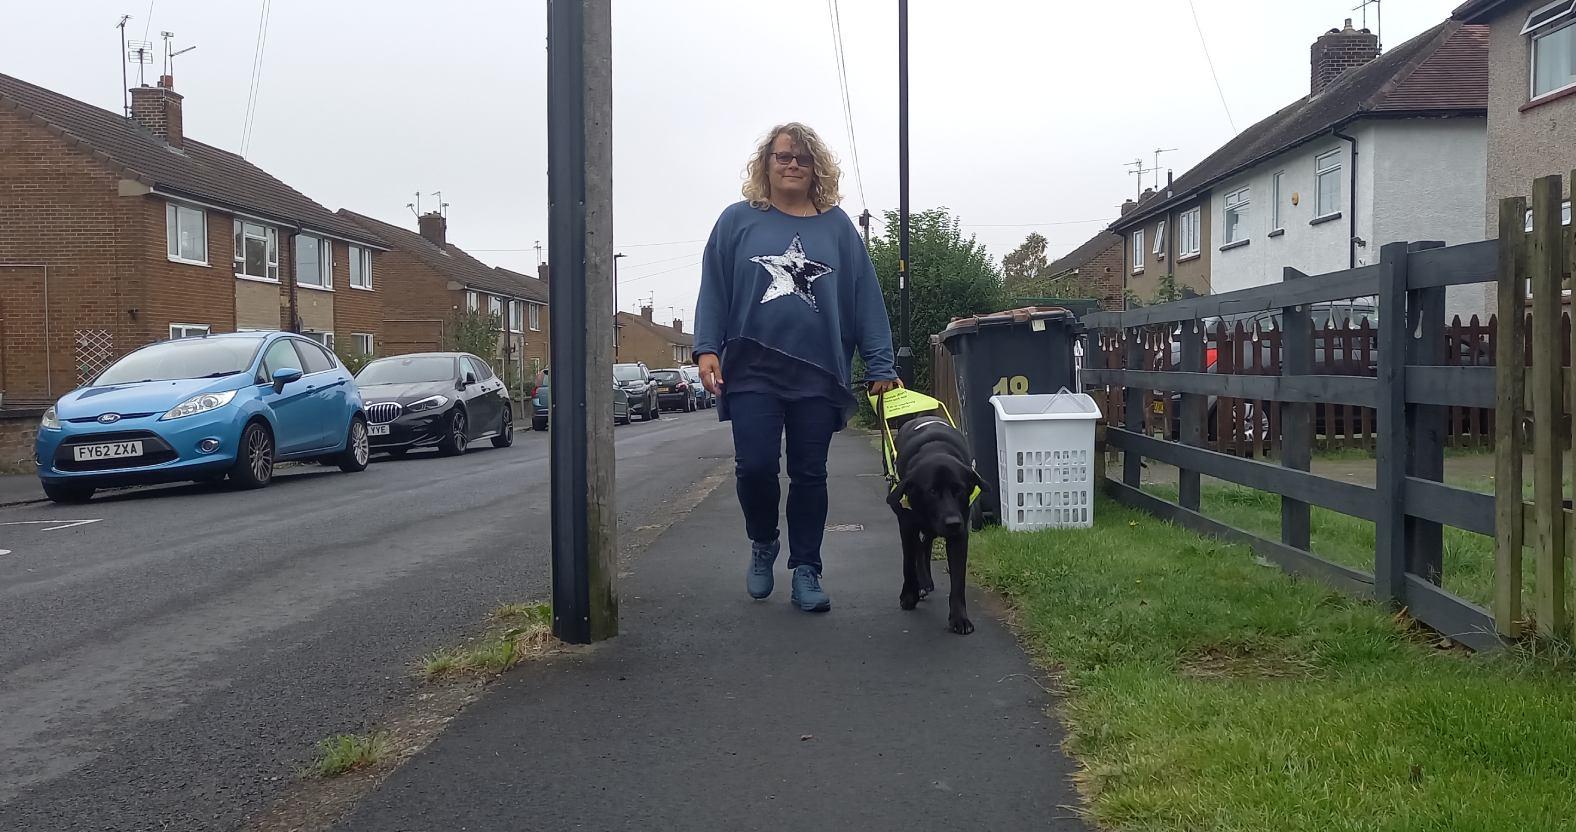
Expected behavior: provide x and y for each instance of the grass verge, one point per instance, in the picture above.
(1205, 692)
(520, 631)
(349, 752)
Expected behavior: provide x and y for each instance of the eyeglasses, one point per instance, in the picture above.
(805, 160)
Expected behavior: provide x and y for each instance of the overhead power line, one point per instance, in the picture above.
(664, 271)
(842, 81)
(1033, 224)
(619, 246)
(1211, 61)
(257, 76)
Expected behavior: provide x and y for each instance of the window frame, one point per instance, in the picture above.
(186, 330)
(325, 262)
(1276, 220)
(322, 338)
(172, 232)
(495, 307)
(1191, 224)
(360, 267)
(472, 301)
(534, 316)
(1158, 249)
(1243, 204)
(1563, 22)
(1138, 251)
(270, 239)
(516, 316)
(1319, 172)
(356, 343)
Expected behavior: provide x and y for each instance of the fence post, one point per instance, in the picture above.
(1390, 528)
(1195, 409)
(1133, 404)
(1510, 389)
(1296, 418)
(1548, 405)
(1425, 424)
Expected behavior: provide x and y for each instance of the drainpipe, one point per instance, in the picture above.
(295, 311)
(49, 381)
(1351, 211)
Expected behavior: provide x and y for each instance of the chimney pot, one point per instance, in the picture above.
(1127, 206)
(678, 325)
(158, 110)
(435, 227)
(645, 312)
(1337, 51)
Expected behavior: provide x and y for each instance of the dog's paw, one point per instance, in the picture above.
(926, 586)
(908, 600)
(960, 625)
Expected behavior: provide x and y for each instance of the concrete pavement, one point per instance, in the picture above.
(169, 656)
(717, 712)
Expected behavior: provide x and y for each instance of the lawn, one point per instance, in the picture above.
(1207, 692)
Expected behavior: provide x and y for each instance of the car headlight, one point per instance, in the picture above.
(429, 403)
(50, 420)
(199, 404)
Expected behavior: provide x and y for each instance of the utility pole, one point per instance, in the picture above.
(125, 93)
(905, 353)
(864, 226)
(580, 247)
(617, 257)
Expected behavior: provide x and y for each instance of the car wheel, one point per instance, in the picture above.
(454, 438)
(68, 493)
(655, 406)
(538, 423)
(505, 436)
(358, 448)
(626, 418)
(689, 405)
(254, 465)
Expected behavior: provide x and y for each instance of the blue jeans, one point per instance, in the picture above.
(759, 422)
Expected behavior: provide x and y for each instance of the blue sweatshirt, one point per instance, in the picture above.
(803, 287)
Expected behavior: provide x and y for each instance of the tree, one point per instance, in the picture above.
(951, 276)
(473, 331)
(1026, 266)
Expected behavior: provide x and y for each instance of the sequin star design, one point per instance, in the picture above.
(792, 273)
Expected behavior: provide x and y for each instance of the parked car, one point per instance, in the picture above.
(442, 399)
(203, 409)
(674, 391)
(703, 398)
(541, 403)
(636, 381)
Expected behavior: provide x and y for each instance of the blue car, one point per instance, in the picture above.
(203, 409)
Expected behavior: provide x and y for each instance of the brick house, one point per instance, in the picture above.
(114, 231)
(1096, 264)
(429, 279)
(1383, 148)
(640, 338)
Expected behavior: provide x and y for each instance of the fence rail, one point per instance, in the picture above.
(1405, 386)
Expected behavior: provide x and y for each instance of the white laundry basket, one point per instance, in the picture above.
(1045, 460)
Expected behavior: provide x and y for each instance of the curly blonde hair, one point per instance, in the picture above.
(823, 179)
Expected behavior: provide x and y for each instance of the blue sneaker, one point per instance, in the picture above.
(807, 592)
(762, 557)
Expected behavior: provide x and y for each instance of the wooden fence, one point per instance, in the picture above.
(1415, 385)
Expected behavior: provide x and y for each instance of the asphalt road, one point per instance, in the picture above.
(169, 657)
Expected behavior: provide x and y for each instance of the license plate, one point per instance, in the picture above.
(107, 450)
(1158, 407)
(667, 389)
(377, 430)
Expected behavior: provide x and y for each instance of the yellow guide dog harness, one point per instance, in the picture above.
(895, 404)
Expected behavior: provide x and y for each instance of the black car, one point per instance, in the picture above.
(641, 388)
(674, 391)
(442, 399)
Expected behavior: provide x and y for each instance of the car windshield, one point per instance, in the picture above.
(183, 358)
(408, 370)
(628, 372)
(668, 376)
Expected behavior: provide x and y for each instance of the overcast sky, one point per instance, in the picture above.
(1023, 114)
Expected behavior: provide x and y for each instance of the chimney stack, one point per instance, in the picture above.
(1338, 50)
(435, 227)
(543, 273)
(678, 325)
(645, 312)
(158, 109)
(1127, 206)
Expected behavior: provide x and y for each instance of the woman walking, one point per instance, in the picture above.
(787, 294)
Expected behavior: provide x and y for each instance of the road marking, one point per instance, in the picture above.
(54, 525)
(5, 551)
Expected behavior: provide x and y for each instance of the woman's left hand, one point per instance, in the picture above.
(885, 385)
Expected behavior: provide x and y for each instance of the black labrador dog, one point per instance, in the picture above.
(931, 500)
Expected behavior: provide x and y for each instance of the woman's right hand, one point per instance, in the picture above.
(711, 373)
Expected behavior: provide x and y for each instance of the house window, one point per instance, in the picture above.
(187, 331)
(1236, 215)
(1138, 251)
(1327, 184)
(256, 251)
(495, 307)
(186, 230)
(534, 311)
(362, 342)
(516, 312)
(471, 303)
(1565, 215)
(1160, 240)
(314, 262)
(360, 267)
(1275, 202)
(1553, 31)
(1189, 226)
(324, 338)
(681, 354)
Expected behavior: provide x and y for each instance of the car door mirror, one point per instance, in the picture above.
(470, 379)
(285, 375)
